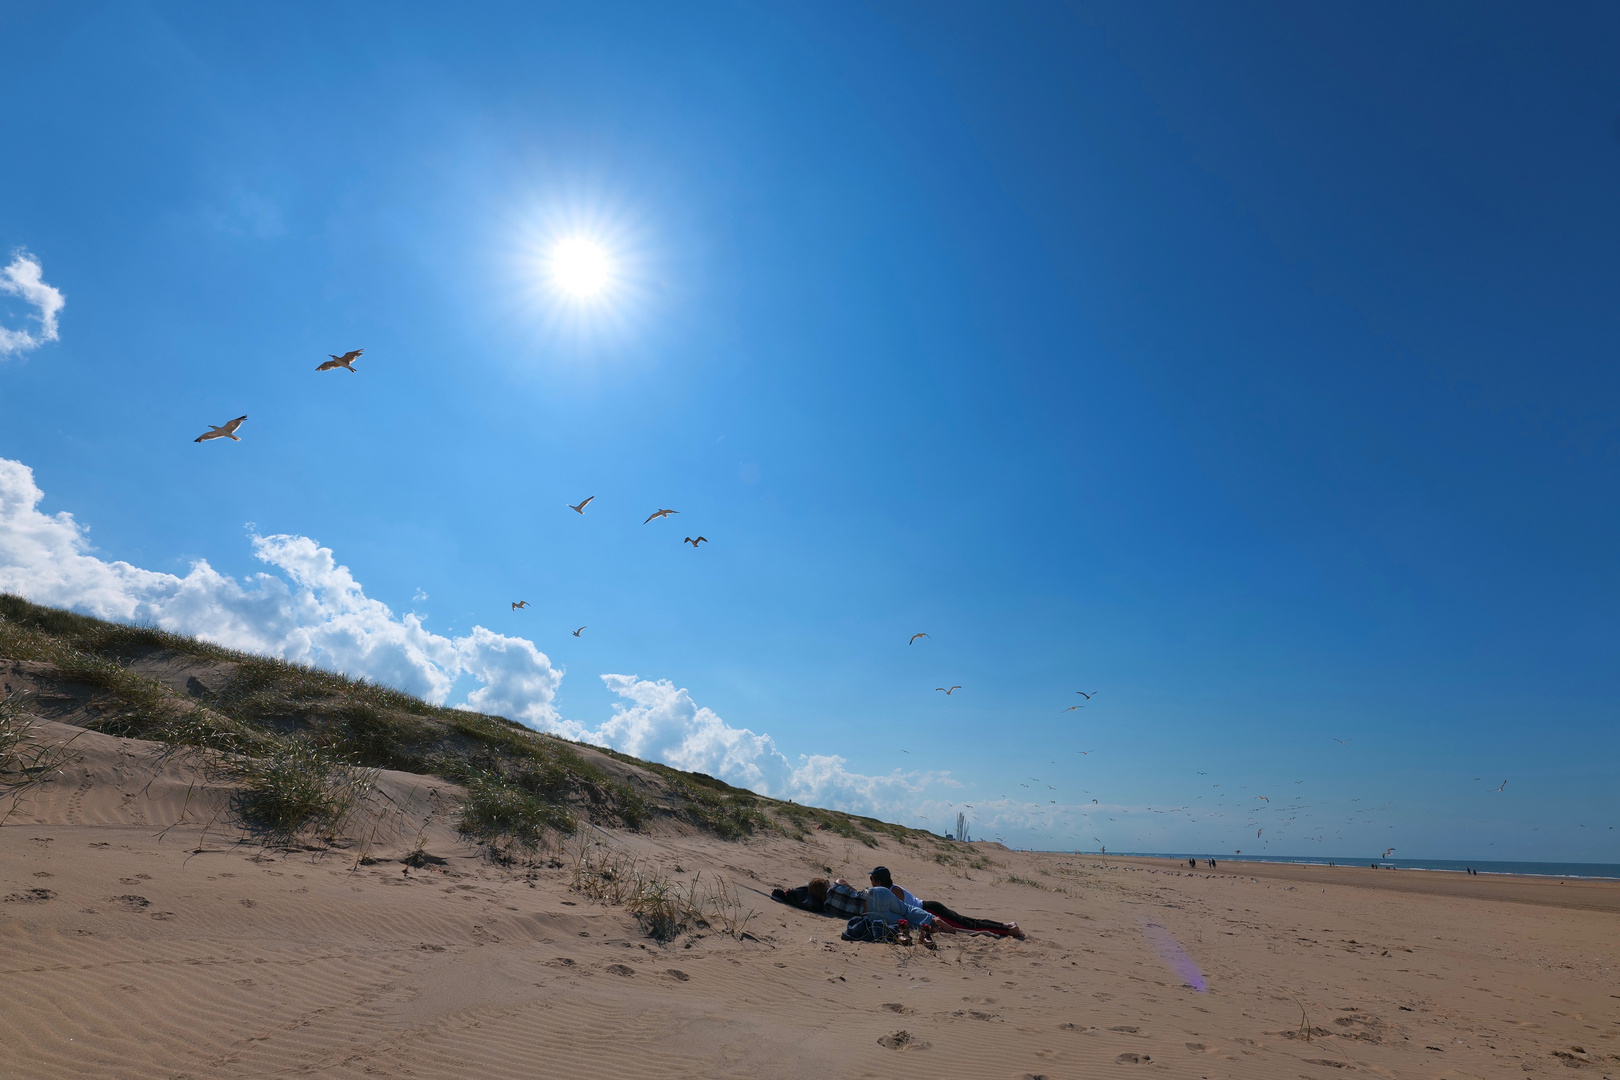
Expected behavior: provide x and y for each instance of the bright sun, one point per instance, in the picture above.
(580, 267)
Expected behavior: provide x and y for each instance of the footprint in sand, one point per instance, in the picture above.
(902, 1040)
(677, 974)
(1127, 1028)
(895, 1006)
(1132, 1059)
(32, 896)
(130, 901)
(620, 969)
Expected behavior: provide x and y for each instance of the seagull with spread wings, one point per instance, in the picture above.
(914, 638)
(1071, 708)
(694, 543)
(345, 361)
(660, 514)
(580, 509)
(226, 430)
(518, 605)
(947, 692)
(578, 632)
(1085, 695)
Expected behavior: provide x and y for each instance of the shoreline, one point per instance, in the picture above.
(1353, 864)
(1583, 894)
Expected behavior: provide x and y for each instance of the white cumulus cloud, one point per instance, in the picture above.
(659, 721)
(23, 277)
(312, 611)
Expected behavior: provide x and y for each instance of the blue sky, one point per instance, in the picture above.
(1253, 367)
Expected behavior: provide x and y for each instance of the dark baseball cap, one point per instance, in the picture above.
(880, 874)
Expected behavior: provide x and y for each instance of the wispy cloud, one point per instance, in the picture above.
(312, 609)
(23, 277)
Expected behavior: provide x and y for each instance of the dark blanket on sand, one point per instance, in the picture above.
(964, 922)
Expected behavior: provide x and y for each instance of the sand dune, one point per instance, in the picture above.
(144, 935)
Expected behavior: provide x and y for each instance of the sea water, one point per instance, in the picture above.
(1537, 869)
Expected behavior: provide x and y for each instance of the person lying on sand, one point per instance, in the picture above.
(842, 900)
(882, 879)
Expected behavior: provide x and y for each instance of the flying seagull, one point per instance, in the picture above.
(1085, 695)
(1342, 742)
(1071, 708)
(1504, 784)
(914, 638)
(224, 431)
(694, 543)
(947, 692)
(579, 631)
(345, 361)
(661, 514)
(580, 509)
(516, 604)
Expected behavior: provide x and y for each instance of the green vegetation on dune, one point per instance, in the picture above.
(301, 741)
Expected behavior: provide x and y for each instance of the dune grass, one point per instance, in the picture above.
(25, 761)
(296, 789)
(664, 907)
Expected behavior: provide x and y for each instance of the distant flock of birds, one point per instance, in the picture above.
(228, 430)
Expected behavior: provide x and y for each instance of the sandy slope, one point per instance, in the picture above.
(127, 952)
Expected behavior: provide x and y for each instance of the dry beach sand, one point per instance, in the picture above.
(142, 936)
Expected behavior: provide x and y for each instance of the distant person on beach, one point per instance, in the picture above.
(1193, 863)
